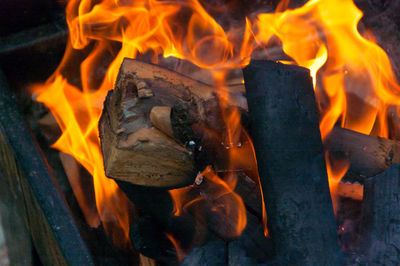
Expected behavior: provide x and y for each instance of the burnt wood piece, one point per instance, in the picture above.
(284, 127)
(48, 217)
(367, 155)
(148, 238)
(380, 230)
(212, 253)
(135, 151)
(157, 203)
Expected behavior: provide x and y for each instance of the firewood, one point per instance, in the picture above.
(367, 155)
(381, 218)
(151, 123)
(133, 150)
(284, 128)
(349, 190)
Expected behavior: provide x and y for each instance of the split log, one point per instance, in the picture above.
(135, 151)
(380, 229)
(284, 127)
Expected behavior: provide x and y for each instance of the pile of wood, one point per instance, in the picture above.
(159, 129)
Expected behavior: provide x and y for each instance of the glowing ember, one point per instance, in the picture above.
(322, 36)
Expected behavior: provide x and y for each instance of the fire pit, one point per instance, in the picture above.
(207, 133)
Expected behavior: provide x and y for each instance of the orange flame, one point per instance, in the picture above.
(336, 170)
(214, 196)
(322, 35)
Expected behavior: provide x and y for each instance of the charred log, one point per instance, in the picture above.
(149, 239)
(284, 127)
(380, 229)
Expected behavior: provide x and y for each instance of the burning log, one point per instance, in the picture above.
(146, 95)
(381, 217)
(284, 127)
(368, 155)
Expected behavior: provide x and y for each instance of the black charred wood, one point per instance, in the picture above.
(284, 127)
(149, 239)
(158, 204)
(380, 227)
(213, 253)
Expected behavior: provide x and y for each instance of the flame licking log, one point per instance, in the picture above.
(352, 145)
(284, 127)
(144, 165)
(132, 148)
(368, 155)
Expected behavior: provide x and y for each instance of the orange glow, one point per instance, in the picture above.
(180, 253)
(336, 170)
(211, 196)
(322, 35)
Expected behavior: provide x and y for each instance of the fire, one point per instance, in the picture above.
(210, 198)
(336, 170)
(322, 35)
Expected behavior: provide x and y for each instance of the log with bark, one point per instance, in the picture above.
(284, 127)
(367, 155)
(380, 230)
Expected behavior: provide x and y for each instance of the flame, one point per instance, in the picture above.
(211, 198)
(336, 170)
(321, 35)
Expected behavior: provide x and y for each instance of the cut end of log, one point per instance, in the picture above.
(134, 150)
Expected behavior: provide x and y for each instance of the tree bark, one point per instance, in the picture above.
(284, 127)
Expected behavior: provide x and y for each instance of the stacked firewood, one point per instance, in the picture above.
(159, 129)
